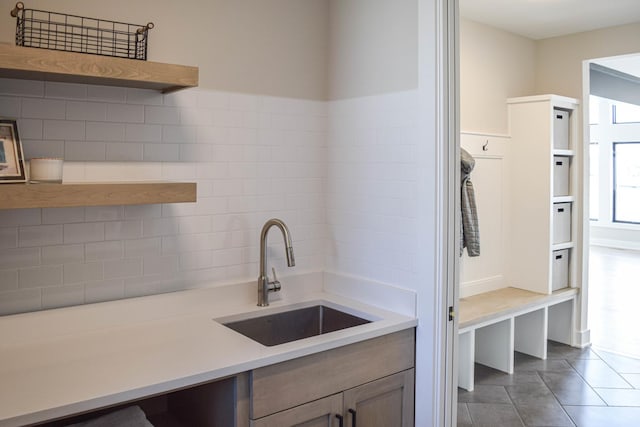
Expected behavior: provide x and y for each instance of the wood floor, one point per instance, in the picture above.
(614, 300)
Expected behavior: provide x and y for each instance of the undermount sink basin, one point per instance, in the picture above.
(293, 325)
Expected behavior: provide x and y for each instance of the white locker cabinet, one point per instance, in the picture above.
(542, 174)
(560, 129)
(560, 269)
(560, 176)
(561, 223)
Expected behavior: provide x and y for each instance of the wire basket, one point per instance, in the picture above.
(72, 33)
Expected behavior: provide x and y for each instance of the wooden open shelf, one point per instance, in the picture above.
(42, 64)
(16, 196)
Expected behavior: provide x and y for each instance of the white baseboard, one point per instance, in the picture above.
(474, 287)
(582, 339)
(617, 244)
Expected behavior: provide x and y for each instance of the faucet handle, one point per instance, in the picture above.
(275, 283)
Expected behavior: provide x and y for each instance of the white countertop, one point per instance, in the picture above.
(59, 362)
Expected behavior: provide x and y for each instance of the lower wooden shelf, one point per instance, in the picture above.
(17, 196)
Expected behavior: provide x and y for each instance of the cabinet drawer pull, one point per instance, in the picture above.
(353, 415)
(340, 420)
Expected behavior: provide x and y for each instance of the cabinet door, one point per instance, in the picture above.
(387, 402)
(319, 413)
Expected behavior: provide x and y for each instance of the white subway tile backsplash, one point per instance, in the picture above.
(21, 301)
(179, 171)
(65, 90)
(62, 254)
(63, 129)
(196, 152)
(30, 129)
(86, 111)
(195, 224)
(83, 272)
(196, 260)
(62, 296)
(39, 277)
(143, 96)
(182, 98)
(211, 135)
(122, 268)
(85, 151)
(103, 250)
(179, 133)
(9, 237)
(84, 232)
(106, 93)
(8, 280)
(37, 148)
(124, 151)
(142, 247)
(123, 230)
(108, 132)
(160, 265)
(161, 152)
(161, 115)
(224, 141)
(39, 235)
(155, 227)
(125, 113)
(104, 213)
(196, 117)
(142, 211)
(22, 87)
(227, 187)
(104, 290)
(227, 118)
(143, 133)
(10, 106)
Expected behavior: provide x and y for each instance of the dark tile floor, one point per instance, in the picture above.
(573, 387)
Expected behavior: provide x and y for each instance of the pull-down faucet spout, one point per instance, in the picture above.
(264, 285)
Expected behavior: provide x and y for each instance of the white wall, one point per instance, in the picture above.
(494, 65)
(372, 47)
(559, 59)
(266, 47)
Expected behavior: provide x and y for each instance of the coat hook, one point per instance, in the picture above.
(485, 147)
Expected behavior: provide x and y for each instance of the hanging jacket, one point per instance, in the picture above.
(469, 233)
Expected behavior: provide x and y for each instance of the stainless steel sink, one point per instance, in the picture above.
(292, 325)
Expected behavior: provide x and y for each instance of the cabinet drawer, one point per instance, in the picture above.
(320, 413)
(285, 385)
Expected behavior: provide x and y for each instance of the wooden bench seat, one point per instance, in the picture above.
(494, 324)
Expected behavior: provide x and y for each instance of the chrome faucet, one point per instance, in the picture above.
(264, 285)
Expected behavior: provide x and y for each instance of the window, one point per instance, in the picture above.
(626, 113)
(594, 181)
(626, 182)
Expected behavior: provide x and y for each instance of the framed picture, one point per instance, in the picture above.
(11, 158)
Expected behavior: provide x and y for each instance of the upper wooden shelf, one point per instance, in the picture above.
(42, 64)
(17, 196)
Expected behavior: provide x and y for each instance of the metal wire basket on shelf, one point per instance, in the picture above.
(72, 33)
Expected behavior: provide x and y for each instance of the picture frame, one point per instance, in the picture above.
(11, 154)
